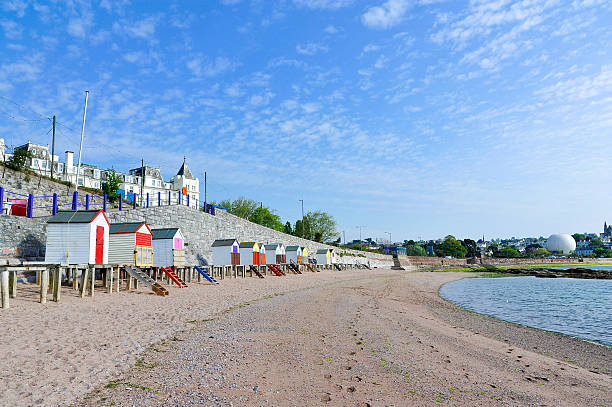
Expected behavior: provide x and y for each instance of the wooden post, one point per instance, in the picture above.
(92, 281)
(83, 281)
(44, 285)
(128, 285)
(109, 280)
(13, 284)
(118, 279)
(37, 277)
(75, 279)
(57, 283)
(4, 284)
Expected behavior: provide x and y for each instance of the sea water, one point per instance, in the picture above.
(577, 307)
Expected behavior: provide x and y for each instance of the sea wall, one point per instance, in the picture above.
(22, 238)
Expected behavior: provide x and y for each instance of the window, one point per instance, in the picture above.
(96, 173)
(80, 181)
(33, 151)
(43, 164)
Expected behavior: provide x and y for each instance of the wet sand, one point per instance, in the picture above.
(380, 338)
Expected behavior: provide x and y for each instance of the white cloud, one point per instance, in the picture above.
(323, 4)
(330, 29)
(386, 15)
(200, 67)
(311, 49)
(371, 48)
(18, 6)
(11, 29)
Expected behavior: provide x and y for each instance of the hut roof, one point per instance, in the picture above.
(223, 242)
(248, 244)
(167, 233)
(292, 248)
(322, 251)
(76, 216)
(127, 227)
(271, 246)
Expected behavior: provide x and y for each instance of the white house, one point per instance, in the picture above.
(275, 253)
(249, 253)
(225, 252)
(294, 254)
(168, 247)
(78, 237)
(131, 243)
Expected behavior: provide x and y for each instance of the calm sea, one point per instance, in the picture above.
(575, 307)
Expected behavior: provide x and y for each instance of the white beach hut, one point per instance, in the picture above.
(225, 252)
(131, 243)
(275, 253)
(78, 237)
(305, 255)
(294, 254)
(323, 256)
(168, 247)
(249, 253)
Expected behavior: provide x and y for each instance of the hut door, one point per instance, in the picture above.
(235, 259)
(255, 257)
(99, 244)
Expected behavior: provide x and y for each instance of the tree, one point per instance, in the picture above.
(18, 159)
(241, 207)
(579, 237)
(415, 250)
(265, 217)
(298, 229)
(508, 251)
(595, 243)
(288, 229)
(319, 226)
(601, 252)
(472, 247)
(451, 247)
(111, 186)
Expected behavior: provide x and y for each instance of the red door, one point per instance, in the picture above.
(99, 245)
(262, 258)
(255, 257)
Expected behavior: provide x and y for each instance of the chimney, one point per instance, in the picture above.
(69, 161)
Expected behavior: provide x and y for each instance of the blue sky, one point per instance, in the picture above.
(418, 118)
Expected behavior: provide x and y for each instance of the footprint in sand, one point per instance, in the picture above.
(350, 389)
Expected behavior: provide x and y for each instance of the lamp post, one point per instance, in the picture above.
(360, 242)
(389, 233)
(302, 201)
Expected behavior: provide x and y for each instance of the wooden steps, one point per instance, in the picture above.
(294, 267)
(274, 268)
(206, 275)
(146, 280)
(254, 270)
(310, 268)
(174, 277)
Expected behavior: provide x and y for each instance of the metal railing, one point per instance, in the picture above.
(24, 205)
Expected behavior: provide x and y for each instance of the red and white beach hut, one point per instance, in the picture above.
(78, 237)
(131, 243)
(249, 253)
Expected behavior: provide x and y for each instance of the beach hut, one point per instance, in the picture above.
(293, 254)
(130, 243)
(262, 254)
(323, 256)
(332, 256)
(249, 253)
(225, 252)
(78, 237)
(275, 253)
(168, 247)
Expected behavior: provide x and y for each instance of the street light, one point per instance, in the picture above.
(360, 242)
(302, 201)
(389, 233)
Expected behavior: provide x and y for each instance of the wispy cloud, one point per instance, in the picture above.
(323, 4)
(311, 48)
(387, 15)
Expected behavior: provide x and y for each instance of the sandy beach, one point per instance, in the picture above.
(358, 338)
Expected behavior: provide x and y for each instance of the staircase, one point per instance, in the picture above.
(146, 280)
(206, 275)
(311, 268)
(294, 267)
(337, 266)
(255, 271)
(274, 269)
(396, 263)
(177, 280)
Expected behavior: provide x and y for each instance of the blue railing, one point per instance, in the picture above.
(24, 205)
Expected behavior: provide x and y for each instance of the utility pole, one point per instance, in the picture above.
(344, 235)
(389, 233)
(76, 188)
(142, 182)
(205, 200)
(53, 147)
(302, 201)
(360, 242)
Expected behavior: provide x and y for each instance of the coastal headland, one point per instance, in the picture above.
(357, 338)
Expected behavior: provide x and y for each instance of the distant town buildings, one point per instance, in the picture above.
(135, 184)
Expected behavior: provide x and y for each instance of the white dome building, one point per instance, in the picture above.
(561, 243)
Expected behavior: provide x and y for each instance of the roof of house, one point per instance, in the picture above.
(167, 233)
(126, 227)
(185, 171)
(75, 216)
(292, 248)
(248, 244)
(223, 242)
